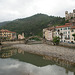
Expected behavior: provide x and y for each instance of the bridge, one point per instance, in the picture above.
(24, 41)
(27, 39)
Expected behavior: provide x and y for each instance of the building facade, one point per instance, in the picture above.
(21, 36)
(48, 33)
(8, 35)
(69, 16)
(64, 32)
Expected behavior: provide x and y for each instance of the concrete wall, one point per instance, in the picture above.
(14, 42)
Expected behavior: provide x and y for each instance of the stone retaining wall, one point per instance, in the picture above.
(14, 42)
(67, 45)
(61, 44)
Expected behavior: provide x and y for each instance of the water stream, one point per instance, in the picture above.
(17, 62)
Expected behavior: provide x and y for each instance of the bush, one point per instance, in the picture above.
(35, 38)
(56, 40)
(73, 35)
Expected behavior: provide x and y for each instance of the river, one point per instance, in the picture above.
(18, 62)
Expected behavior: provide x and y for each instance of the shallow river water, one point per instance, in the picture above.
(18, 62)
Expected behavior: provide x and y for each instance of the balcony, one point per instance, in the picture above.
(67, 38)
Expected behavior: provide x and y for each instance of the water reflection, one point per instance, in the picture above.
(18, 62)
(15, 67)
(8, 53)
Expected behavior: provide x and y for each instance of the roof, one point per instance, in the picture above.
(66, 25)
(73, 27)
(50, 28)
(5, 30)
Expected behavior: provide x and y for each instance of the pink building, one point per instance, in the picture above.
(21, 36)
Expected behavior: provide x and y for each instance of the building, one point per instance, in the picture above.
(69, 16)
(48, 33)
(21, 36)
(63, 32)
(8, 35)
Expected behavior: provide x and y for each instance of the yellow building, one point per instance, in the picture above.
(7, 34)
(72, 32)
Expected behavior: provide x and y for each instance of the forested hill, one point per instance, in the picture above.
(33, 25)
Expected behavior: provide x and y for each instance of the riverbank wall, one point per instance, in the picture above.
(70, 45)
(48, 51)
(13, 42)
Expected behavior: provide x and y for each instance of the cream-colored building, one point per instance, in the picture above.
(48, 33)
(72, 32)
(63, 32)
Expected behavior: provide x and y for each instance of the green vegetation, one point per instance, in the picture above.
(73, 35)
(56, 40)
(33, 25)
(35, 38)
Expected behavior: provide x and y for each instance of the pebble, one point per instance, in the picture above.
(44, 49)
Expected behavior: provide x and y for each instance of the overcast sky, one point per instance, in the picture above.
(13, 9)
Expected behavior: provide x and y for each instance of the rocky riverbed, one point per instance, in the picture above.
(63, 53)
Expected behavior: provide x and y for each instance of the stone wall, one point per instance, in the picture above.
(61, 44)
(14, 42)
(67, 45)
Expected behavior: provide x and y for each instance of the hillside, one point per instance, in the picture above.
(4, 23)
(33, 25)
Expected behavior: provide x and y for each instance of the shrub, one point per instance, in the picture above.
(56, 40)
(73, 35)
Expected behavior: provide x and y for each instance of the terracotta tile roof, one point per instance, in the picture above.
(66, 25)
(4, 30)
(73, 27)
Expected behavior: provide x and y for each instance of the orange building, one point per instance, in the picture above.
(9, 35)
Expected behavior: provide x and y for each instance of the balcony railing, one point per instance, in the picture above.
(67, 38)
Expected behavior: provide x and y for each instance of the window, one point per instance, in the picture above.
(68, 28)
(64, 33)
(68, 36)
(68, 32)
(65, 36)
(72, 30)
(65, 28)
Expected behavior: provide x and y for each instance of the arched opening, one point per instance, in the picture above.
(33, 39)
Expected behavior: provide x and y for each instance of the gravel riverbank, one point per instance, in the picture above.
(48, 50)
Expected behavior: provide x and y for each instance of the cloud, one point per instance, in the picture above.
(15, 67)
(13, 9)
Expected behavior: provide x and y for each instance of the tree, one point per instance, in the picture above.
(0, 40)
(58, 31)
(73, 35)
(56, 40)
(61, 34)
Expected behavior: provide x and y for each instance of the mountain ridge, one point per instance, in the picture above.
(33, 25)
